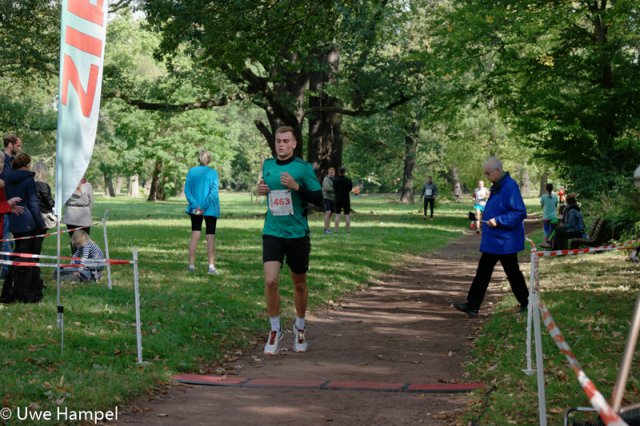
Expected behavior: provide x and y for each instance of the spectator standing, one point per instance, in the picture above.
(201, 190)
(25, 280)
(12, 146)
(343, 186)
(328, 198)
(502, 239)
(429, 192)
(549, 203)
(79, 210)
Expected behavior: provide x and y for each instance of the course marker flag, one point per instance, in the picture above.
(82, 42)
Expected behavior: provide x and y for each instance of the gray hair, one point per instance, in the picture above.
(494, 163)
(204, 157)
(41, 171)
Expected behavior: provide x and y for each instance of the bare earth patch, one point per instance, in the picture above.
(401, 329)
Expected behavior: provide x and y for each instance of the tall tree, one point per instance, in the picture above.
(566, 74)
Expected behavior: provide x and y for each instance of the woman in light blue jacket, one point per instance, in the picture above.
(201, 190)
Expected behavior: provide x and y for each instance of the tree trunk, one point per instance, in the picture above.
(134, 186)
(410, 147)
(454, 175)
(155, 191)
(280, 112)
(524, 181)
(108, 186)
(119, 184)
(324, 147)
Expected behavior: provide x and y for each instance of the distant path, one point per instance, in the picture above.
(400, 330)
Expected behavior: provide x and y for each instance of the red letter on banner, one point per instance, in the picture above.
(70, 75)
(83, 41)
(87, 11)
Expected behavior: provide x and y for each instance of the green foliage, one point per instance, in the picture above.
(564, 73)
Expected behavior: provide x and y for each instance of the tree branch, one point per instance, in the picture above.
(167, 107)
(362, 112)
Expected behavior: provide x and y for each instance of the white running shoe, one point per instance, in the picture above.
(213, 271)
(633, 258)
(273, 342)
(191, 269)
(299, 340)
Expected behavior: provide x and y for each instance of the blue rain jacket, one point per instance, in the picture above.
(505, 205)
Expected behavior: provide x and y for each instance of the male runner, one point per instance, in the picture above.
(289, 183)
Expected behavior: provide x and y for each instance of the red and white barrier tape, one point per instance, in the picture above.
(555, 253)
(47, 265)
(62, 231)
(606, 413)
(82, 259)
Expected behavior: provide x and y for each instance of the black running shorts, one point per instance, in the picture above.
(343, 205)
(210, 221)
(297, 250)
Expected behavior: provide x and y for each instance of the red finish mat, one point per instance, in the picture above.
(237, 381)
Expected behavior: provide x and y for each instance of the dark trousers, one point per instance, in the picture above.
(483, 276)
(428, 202)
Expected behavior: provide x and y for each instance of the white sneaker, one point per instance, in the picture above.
(633, 258)
(191, 269)
(299, 340)
(213, 271)
(273, 342)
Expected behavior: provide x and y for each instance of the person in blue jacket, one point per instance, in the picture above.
(201, 190)
(502, 239)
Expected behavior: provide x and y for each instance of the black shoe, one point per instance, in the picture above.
(524, 310)
(464, 307)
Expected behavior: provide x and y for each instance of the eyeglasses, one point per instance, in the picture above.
(488, 173)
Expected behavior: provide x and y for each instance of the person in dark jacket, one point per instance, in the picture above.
(572, 225)
(21, 183)
(23, 282)
(342, 186)
(45, 200)
(502, 239)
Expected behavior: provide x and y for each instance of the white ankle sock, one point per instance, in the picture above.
(275, 323)
(300, 323)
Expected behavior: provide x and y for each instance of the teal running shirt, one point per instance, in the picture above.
(286, 211)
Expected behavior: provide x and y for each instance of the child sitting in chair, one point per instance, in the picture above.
(87, 250)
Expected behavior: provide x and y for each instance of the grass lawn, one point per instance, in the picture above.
(190, 321)
(591, 298)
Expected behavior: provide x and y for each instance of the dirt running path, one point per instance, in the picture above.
(399, 330)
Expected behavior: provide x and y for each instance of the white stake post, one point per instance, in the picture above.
(532, 278)
(106, 247)
(60, 320)
(136, 289)
(542, 401)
